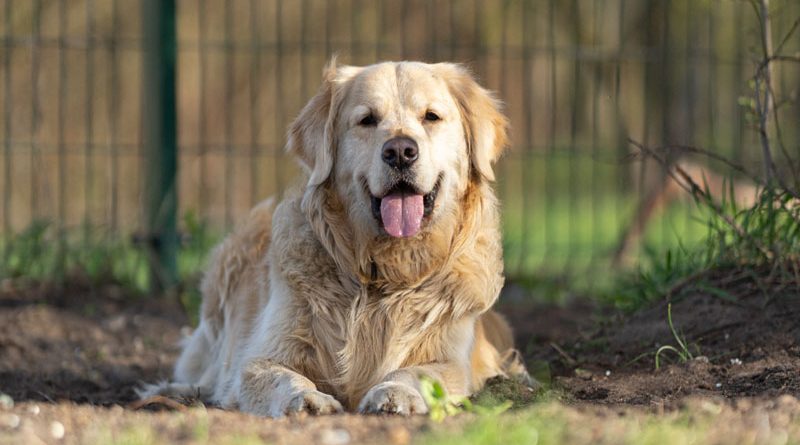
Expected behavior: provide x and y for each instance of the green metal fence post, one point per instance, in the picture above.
(160, 141)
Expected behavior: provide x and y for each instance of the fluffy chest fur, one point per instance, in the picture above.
(409, 309)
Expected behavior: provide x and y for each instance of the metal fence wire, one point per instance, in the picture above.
(577, 77)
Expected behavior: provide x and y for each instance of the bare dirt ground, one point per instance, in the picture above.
(71, 358)
(745, 343)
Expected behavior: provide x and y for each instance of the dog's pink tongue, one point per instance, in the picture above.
(402, 214)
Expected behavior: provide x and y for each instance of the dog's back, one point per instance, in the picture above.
(231, 301)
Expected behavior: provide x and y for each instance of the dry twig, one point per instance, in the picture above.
(157, 400)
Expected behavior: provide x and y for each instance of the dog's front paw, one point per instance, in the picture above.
(393, 398)
(310, 402)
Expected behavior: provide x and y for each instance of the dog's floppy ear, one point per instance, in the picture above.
(485, 126)
(312, 135)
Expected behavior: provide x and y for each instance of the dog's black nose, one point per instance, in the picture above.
(400, 152)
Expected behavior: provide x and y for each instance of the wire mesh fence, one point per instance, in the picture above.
(578, 79)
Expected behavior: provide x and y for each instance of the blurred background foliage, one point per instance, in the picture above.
(579, 78)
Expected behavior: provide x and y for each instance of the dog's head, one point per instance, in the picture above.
(399, 142)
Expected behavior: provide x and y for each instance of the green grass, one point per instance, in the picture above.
(41, 253)
(563, 215)
(762, 241)
(569, 233)
(556, 423)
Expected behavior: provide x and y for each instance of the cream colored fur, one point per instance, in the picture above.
(309, 306)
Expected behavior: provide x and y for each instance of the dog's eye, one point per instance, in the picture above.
(430, 116)
(368, 121)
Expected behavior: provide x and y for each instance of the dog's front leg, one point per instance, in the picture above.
(399, 392)
(274, 390)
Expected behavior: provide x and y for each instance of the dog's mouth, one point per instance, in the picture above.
(403, 208)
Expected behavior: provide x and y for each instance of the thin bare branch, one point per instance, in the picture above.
(766, 61)
(764, 71)
(763, 105)
(779, 135)
(736, 167)
(685, 181)
(711, 155)
(788, 35)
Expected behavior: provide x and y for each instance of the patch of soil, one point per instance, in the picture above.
(498, 390)
(83, 344)
(747, 346)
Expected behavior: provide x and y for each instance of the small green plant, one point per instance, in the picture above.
(683, 352)
(441, 405)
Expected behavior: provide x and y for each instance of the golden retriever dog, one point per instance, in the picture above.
(381, 269)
